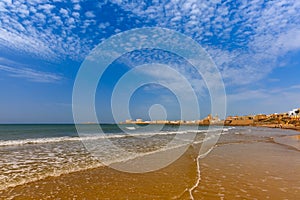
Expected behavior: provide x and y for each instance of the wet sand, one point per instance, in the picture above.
(237, 168)
(250, 171)
(107, 183)
(293, 141)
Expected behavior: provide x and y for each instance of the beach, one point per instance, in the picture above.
(246, 163)
(149, 100)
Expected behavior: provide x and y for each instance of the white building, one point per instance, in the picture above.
(294, 112)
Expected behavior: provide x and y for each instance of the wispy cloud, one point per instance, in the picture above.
(295, 87)
(244, 38)
(46, 30)
(264, 100)
(271, 95)
(183, 69)
(30, 74)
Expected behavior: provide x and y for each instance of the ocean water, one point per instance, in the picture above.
(33, 152)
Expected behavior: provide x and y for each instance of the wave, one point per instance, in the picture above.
(60, 171)
(55, 173)
(86, 137)
(130, 127)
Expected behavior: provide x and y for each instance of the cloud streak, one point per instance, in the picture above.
(30, 74)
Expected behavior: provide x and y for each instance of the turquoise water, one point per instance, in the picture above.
(30, 131)
(33, 131)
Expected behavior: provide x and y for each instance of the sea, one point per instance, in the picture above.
(30, 152)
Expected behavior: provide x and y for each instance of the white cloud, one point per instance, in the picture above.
(77, 7)
(8, 1)
(30, 74)
(263, 100)
(76, 14)
(259, 31)
(64, 12)
(295, 87)
(290, 40)
(168, 76)
(46, 32)
(23, 42)
(267, 94)
(103, 25)
(46, 7)
(89, 14)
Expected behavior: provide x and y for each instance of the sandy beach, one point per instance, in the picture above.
(243, 165)
(149, 100)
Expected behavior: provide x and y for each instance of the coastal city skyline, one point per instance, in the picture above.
(273, 119)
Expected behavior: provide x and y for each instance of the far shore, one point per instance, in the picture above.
(288, 120)
(221, 123)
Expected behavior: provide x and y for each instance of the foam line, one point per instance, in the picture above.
(88, 137)
(198, 173)
(198, 179)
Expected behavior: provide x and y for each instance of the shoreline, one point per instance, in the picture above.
(229, 171)
(279, 126)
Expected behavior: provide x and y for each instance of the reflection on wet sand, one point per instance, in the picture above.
(244, 165)
(292, 141)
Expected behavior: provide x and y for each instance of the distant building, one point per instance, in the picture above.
(295, 113)
(239, 120)
(128, 121)
(216, 119)
(260, 117)
(161, 122)
(209, 117)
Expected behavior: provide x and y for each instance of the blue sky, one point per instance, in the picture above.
(255, 45)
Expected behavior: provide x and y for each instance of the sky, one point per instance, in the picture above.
(254, 44)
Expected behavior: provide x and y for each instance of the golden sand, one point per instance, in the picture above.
(296, 137)
(291, 141)
(241, 170)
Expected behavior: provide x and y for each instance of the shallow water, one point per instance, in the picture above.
(33, 152)
(247, 163)
(250, 171)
